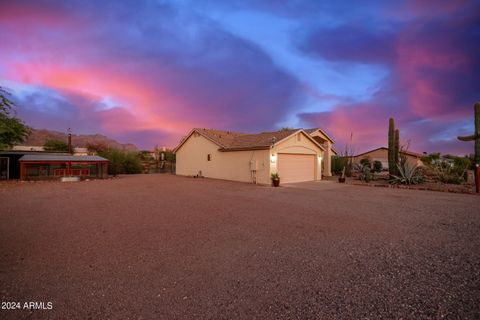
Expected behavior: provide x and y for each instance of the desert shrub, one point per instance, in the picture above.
(364, 171)
(407, 174)
(430, 159)
(131, 163)
(448, 169)
(338, 163)
(461, 166)
(377, 166)
(447, 172)
(121, 162)
(366, 162)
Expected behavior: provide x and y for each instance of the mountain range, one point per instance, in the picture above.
(38, 137)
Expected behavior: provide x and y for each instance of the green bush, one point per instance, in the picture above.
(132, 164)
(338, 163)
(55, 145)
(341, 162)
(365, 174)
(366, 162)
(377, 166)
(448, 169)
(121, 162)
(430, 159)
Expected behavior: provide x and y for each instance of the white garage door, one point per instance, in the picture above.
(296, 167)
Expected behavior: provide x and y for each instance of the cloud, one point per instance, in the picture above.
(432, 62)
(352, 43)
(169, 70)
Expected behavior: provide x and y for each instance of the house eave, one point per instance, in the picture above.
(244, 149)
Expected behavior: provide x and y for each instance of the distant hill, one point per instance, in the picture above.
(39, 136)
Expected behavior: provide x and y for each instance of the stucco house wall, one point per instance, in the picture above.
(327, 143)
(294, 145)
(192, 158)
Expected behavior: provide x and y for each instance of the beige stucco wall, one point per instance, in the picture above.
(328, 153)
(293, 146)
(232, 165)
(382, 155)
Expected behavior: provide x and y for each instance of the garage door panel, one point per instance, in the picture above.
(296, 167)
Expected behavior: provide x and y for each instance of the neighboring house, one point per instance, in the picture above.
(381, 154)
(296, 155)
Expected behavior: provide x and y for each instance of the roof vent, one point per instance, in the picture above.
(274, 139)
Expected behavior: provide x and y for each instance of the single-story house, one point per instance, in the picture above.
(296, 155)
(34, 165)
(381, 154)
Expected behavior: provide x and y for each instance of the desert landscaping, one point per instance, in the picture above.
(170, 247)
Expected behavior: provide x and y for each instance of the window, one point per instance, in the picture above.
(209, 157)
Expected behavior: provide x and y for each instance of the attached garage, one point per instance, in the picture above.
(292, 154)
(296, 167)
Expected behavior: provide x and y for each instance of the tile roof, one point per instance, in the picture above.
(410, 153)
(228, 140)
(233, 141)
(312, 130)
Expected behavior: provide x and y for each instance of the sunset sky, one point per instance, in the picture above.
(147, 72)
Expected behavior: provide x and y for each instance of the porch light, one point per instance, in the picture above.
(273, 158)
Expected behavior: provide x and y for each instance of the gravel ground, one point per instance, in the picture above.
(167, 247)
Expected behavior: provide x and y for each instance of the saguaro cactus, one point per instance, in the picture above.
(475, 137)
(396, 151)
(391, 147)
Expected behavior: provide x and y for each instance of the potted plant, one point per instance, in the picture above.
(275, 180)
(341, 179)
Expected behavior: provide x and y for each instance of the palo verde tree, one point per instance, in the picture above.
(12, 129)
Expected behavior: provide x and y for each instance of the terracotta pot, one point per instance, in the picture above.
(341, 180)
(276, 182)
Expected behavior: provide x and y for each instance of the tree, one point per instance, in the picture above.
(12, 129)
(96, 147)
(121, 162)
(55, 145)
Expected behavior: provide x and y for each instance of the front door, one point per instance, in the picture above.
(3, 168)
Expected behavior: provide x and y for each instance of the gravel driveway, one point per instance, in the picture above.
(168, 247)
